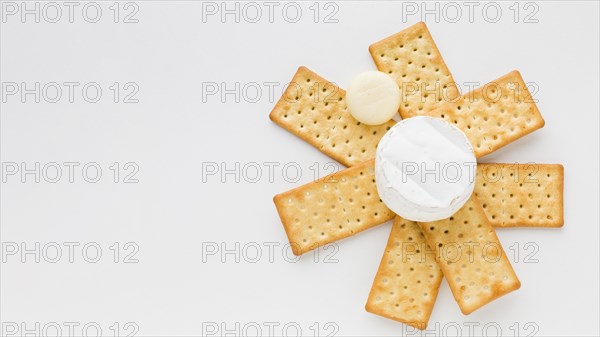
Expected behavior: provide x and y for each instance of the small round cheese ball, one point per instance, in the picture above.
(373, 98)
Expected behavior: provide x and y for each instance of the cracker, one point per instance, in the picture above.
(315, 110)
(471, 257)
(332, 208)
(349, 199)
(493, 115)
(408, 278)
(414, 61)
(521, 194)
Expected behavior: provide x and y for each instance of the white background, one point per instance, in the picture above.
(171, 213)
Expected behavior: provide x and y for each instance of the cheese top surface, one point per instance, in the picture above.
(425, 169)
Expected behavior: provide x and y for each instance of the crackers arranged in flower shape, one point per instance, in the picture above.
(418, 255)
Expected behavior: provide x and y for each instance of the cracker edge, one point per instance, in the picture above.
(561, 187)
(278, 198)
(277, 120)
(452, 284)
(540, 122)
(415, 27)
(369, 307)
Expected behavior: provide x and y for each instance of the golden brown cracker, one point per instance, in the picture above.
(414, 61)
(315, 110)
(346, 202)
(494, 114)
(471, 257)
(521, 194)
(331, 208)
(408, 278)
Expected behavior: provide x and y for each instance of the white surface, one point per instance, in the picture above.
(425, 169)
(170, 212)
(373, 98)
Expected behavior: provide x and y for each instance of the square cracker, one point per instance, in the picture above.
(471, 257)
(315, 110)
(414, 61)
(494, 114)
(331, 208)
(408, 278)
(521, 194)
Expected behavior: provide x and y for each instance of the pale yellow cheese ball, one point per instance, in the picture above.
(373, 98)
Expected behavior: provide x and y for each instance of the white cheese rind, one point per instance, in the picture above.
(425, 169)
